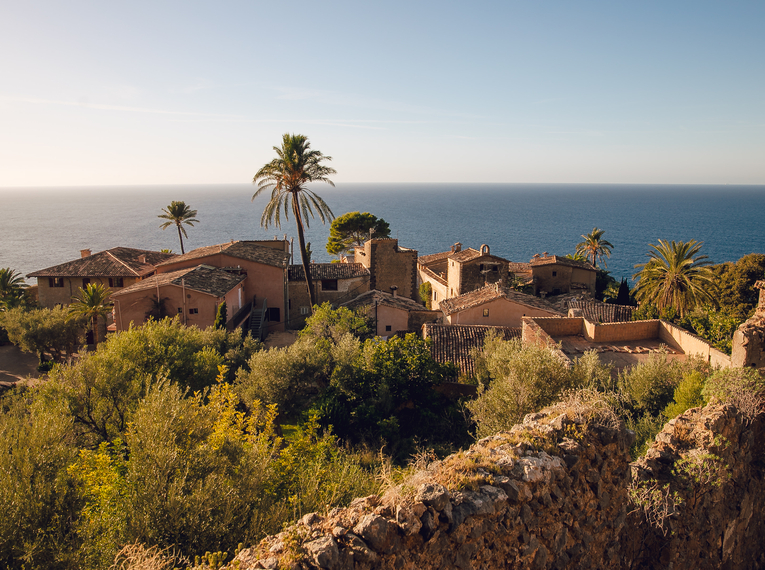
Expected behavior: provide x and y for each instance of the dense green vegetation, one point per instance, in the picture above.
(353, 229)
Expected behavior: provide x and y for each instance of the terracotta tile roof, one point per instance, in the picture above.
(555, 259)
(597, 312)
(465, 255)
(433, 257)
(202, 278)
(516, 267)
(329, 271)
(759, 284)
(433, 275)
(381, 298)
(247, 250)
(490, 293)
(115, 262)
(454, 343)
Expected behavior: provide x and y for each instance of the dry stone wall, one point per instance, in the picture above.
(551, 493)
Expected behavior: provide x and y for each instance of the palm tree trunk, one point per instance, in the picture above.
(180, 237)
(94, 324)
(303, 252)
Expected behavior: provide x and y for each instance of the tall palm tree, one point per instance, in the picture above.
(675, 276)
(178, 213)
(92, 302)
(594, 247)
(286, 177)
(12, 287)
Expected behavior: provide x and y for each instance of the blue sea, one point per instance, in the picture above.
(41, 227)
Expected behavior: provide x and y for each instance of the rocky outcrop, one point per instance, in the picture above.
(749, 338)
(554, 492)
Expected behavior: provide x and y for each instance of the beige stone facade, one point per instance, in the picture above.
(393, 313)
(390, 266)
(554, 275)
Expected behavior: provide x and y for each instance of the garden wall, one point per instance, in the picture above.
(553, 493)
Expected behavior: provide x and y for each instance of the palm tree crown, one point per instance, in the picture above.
(12, 287)
(675, 276)
(178, 213)
(286, 177)
(594, 247)
(92, 302)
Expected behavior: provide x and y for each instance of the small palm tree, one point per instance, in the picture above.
(286, 177)
(12, 287)
(178, 213)
(91, 303)
(594, 247)
(675, 276)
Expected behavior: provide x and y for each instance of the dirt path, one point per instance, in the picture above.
(16, 365)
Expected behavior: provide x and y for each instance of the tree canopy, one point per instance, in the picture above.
(92, 302)
(352, 229)
(12, 287)
(286, 177)
(676, 276)
(178, 214)
(594, 247)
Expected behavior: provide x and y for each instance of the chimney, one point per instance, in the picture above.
(457, 247)
(84, 253)
(393, 290)
(544, 254)
(141, 258)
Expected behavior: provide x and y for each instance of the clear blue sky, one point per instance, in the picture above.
(531, 91)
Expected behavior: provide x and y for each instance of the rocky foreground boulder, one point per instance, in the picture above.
(557, 491)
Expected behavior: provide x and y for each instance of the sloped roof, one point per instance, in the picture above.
(465, 255)
(202, 278)
(557, 260)
(329, 271)
(115, 262)
(433, 257)
(759, 284)
(247, 250)
(491, 293)
(453, 343)
(597, 312)
(518, 267)
(381, 298)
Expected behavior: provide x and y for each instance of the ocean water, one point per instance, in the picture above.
(41, 227)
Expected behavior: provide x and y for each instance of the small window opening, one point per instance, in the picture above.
(193, 311)
(486, 312)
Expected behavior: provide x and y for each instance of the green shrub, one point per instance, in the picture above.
(645, 427)
(521, 380)
(688, 394)
(651, 385)
(726, 383)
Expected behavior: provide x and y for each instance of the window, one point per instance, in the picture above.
(274, 315)
(387, 328)
(180, 310)
(329, 284)
(85, 282)
(555, 273)
(116, 282)
(486, 312)
(193, 311)
(305, 310)
(55, 281)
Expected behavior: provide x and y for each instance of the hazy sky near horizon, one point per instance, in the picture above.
(171, 92)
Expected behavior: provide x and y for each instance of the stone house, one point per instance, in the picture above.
(459, 271)
(555, 275)
(333, 282)
(389, 265)
(264, 263)
(392, 313)
(193, 293)
(115, 268)
(495, 305)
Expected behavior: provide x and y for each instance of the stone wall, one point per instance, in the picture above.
(749, 338)
(551, 493)
(389, 265)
